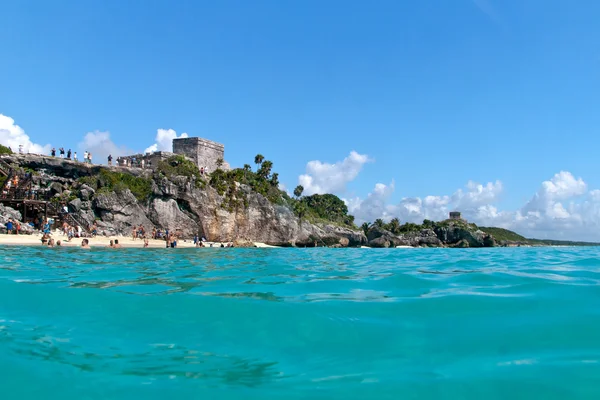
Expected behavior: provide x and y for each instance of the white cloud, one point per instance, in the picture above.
(12, 135)
(322, 177)
(562, 208)
(100, 145)
(164, 140)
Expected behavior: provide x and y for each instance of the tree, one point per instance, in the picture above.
(258, 159)
(275, 179)
(365, 227)
(247, 168)
(219, 162)
(265, 169)
(379, 223)
(300, 209)
(428, 224)
(298, 191)
(394, 226)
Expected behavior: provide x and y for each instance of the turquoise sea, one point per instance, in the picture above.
(520, 323)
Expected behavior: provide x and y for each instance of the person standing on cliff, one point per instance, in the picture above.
(75, 156)
(85, 155)
(62, 152)
(90, 158)
(110, 159)
(53, 152)
(69, 154)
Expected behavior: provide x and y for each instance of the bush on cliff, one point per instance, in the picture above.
(327, 207)
(5, 150)
(180, 166)
(109, 181)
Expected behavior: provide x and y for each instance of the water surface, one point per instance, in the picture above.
(300, 323)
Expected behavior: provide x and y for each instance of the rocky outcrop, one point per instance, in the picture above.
(176, 203)
(448, 235)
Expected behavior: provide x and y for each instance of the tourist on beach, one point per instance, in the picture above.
(110, 159)
(9, 226)
(173, 241)
(146, 244)
(75, 156)
(117, 244)
(85, 244)
(45, 238)
(69, 154)
(134, 233)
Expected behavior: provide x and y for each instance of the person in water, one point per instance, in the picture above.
(117, 245)
(85, 244)
(111, 244)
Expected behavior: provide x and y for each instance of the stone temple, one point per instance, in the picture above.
(204, 153)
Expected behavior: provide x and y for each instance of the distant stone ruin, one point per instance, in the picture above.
(455, 215)
(206, 154)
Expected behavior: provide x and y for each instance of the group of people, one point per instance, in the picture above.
(87, 156)
(130, 162)
(13, 226)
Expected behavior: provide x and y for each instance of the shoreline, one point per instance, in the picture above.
(100, 242)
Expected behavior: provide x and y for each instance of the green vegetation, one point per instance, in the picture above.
(501, 234)
(108, 181)
(396, 228)
(323, 207)
(5, 150)
(316, 208)
(178, 165)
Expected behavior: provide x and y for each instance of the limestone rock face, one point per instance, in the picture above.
(454, 234)
(120, 211)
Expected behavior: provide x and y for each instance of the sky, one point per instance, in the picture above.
(402, 109)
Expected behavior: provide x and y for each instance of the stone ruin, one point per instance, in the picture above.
(204, 153)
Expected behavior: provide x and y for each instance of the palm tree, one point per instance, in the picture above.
(394, 226)
(298, 191)
(379, 223)
(275, 179)
(258, 159)
(247, 168)
(365, 227)
(265, 169)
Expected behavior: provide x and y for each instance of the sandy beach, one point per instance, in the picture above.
(101, 241)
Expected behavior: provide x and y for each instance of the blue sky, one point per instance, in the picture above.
(435, 93)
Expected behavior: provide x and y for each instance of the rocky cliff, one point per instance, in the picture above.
(179, 203)
(445, 234)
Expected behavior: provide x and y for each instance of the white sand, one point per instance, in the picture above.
(102, 241)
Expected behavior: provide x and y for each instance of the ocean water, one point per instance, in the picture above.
(520, 323)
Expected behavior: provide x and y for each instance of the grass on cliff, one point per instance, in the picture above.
(501, 234)
(5, 150)
(109, 181)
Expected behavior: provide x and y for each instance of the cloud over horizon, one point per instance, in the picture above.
(12, 135)
(100, 145)
(322, 177)
(561, 208)
(164, 140)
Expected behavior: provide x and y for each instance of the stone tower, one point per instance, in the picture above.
(205, 153)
